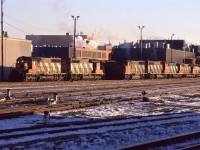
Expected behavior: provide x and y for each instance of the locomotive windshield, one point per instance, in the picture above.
(23, 64)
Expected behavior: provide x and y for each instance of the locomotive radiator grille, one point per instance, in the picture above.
(155, 69)
(173, 69)
(81, 68)
(138, 69)
(48, 67)
(187, 70)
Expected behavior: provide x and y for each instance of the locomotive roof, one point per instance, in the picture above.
(43, 58)
(37, 58)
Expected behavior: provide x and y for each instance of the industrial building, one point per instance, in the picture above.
(12, 49)
(61, 46)
(153, 44)
(196, 49)
(55, 40)
(155, 50)
(67, 52)
(50, 40)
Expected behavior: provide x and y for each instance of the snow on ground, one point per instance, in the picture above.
(105, 138)
(31, 120)
(135, 107)
(127, 94)
(126, 109)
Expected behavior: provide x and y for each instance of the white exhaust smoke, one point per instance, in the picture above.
(85, 43)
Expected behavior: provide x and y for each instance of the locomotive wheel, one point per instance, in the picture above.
(37, 78)
(131, 77)
(151, 76)
(60, 78)
(127, 77)
(96, 78)
(73, 78)
(81, 77)
(99, 77)
(141, 76)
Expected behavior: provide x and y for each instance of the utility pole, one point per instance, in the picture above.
(171, 45)
(75, 19)
(2, 35)
(141, 28)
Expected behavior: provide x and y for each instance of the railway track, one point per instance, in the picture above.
(177, 142)
(102, 90)
(191, 147)
(122, 129)
(69, 130)
(100, 95)
(48, 88)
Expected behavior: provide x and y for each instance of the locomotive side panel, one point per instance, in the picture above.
(45, 69)
(166, 68)
(153, 69)
(48, 66)
(174, 69)
(78, 69)
(185, 70)
(98, 68)
(181, 69)
(133, 69)
(195, 70)
(137, 67)
(170, 70)
(38, 69)
(81, 68)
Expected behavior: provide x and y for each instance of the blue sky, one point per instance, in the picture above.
(114, 20)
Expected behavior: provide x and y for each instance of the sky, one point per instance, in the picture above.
(109, 20)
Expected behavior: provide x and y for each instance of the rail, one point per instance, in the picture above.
(165, 142)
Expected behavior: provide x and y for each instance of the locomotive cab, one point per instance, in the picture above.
(23, 63)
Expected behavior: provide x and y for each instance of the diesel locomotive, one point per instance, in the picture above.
(130, 69)
(63, 69)
(55, 69)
